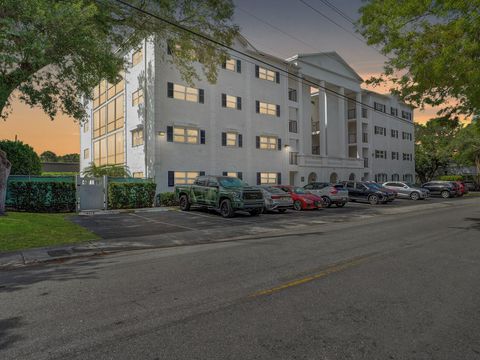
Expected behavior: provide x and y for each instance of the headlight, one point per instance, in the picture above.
(237, 195)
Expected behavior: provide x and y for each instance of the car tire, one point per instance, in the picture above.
(255, 212)
(373, 199)
(281, 211)
(184, 203)
(445, 194)
(297, 205)
(226, 209)
(414, 195)
(326, 201)
(340, 205)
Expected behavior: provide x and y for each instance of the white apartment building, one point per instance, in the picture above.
(256, 122)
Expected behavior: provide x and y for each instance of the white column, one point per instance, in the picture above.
(342, 124)
(300, 121)
(358, 111)
(322, 115)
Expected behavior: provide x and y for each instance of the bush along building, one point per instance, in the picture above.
(256, 122)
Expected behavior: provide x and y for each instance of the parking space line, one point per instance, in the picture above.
(213, 217)
(162, 222)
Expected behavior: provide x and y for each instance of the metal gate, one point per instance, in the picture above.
(91, 193)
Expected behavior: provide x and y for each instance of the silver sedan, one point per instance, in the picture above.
(276, 199)
(407, 191)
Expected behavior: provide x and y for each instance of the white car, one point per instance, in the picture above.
(407, 191)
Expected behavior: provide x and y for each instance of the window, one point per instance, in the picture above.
(105, 91)
(393, 111)
(231, 102)
(138, 174)
(137, 137)
(380, 154)
(396, 177)
(408, 178)
(137, 97)
(268, 142)
(86, 126)
(267, 108)
(266, 74)
(137, 57)
(292, 126)
(186, 93)
(185, 135)
(109, 150)
(380, 130)
(268, 178)
(292, 94)
(379, 107)
(407, 157)
(185, 177)
(86, 153)
(394, 133)
(230, 174)
(381, 178)
(406, 135)
(233, 65)
(395, 155)
(231, 139)
(406, 115)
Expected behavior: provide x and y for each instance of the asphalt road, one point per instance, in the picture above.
(397, 286)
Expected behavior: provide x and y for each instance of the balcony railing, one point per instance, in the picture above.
(352, 114)
(364, 113)
(352, 138)
(315, 150)
(293, 160)
(292, 126)
(315, 126)
(365, 162)
(365, 137)
(292, 94)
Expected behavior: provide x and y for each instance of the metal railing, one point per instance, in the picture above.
(352, 138)
(365, 137)
(293, 158)
(292, 94)
(292, 126)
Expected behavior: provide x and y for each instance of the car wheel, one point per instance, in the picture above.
(297, 205)
(445, 194)
(326, 201)
(226, 209)
(414, 195)
(184, 203)
(281, 211)
(340, 204)
(373, 199)
(255, 212)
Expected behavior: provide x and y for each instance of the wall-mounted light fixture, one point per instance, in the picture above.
(287, 146)
(161, 133)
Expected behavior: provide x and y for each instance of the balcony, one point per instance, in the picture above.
(352, 113)
(315, 150)
(292, 94)
(292, 126)
(293, 158)
(352, 138)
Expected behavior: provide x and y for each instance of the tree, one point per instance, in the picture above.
(433, 50)
(107, 170)
(5, 167)
(72, 158)
(53, 52)
(434, 146)
(23, 158)
(468, 145)
(48, 156)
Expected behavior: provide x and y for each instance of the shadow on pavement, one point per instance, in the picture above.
(7, 325)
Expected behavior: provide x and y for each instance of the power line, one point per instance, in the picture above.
(338, 11)
(257, 60)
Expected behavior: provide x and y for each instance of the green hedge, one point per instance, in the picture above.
(451, 178)
(130, 195)
(166, 199)
(47, 196)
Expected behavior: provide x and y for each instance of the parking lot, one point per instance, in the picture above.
(156, 222)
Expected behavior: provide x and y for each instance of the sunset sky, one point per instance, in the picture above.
(303, 31)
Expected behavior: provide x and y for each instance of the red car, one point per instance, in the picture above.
(302, 199)
(462, 188)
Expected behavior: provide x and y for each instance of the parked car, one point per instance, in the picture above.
(387, 190)
(329, 193)
(222, 193)
(302, 199)
(463, 189)
(445, 189)
(275, 199)
(368, 192)
(407, 190)
(471, 186)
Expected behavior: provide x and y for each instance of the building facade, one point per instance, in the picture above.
(257, 122)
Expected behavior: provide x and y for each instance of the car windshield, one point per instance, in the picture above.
(299, 190)
(229, 182)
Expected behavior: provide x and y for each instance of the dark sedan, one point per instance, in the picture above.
(445, 189)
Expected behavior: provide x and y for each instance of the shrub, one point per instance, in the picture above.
(24, 159)
(166, 199)
(48, 196)
(130, 195)
(451, 178)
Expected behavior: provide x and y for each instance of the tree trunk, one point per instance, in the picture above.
(5, 167)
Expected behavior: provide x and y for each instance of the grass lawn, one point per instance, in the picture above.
(20, 230)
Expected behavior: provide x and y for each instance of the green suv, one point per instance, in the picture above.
(222, 193)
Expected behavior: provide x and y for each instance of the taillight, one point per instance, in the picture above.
(334, 191)
(276, 197)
